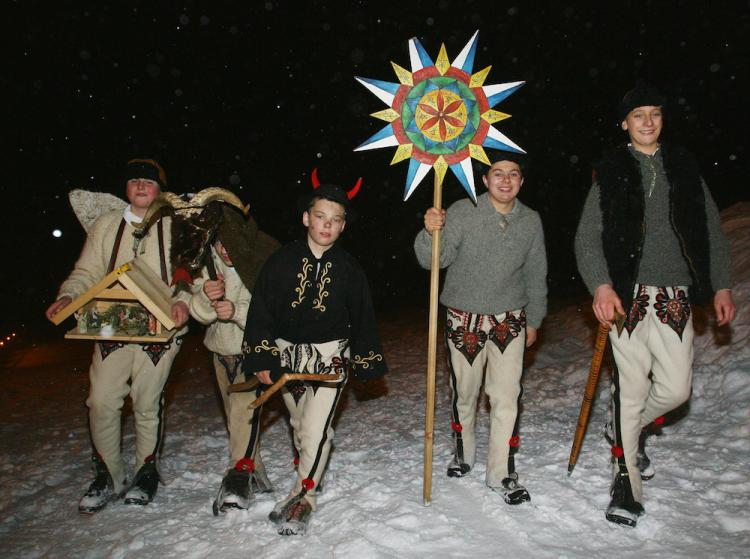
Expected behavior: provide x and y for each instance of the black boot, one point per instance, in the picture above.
(623, 508)
(293, 519)
(513, 492)
(100, 492)
(144, 485)
(236, 492)
(458, 468)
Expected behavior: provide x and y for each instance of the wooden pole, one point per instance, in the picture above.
(588, 394)
(286, 377)
(429, 416)
(243, 386)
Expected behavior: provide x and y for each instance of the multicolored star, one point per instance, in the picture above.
(440, 115)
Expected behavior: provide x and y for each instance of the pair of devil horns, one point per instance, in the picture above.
(350, 194)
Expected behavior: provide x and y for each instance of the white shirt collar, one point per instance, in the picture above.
(130, 217)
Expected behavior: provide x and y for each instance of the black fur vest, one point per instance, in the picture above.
(622, 203)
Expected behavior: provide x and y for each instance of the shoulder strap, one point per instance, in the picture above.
(116, 247)
(162, 256)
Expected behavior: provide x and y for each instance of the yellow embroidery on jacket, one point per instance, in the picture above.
(322, 293)
(265, 345)
(303, 282)
(364, 362)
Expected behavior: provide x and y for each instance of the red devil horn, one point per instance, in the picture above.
(314, 178)
(353, 192)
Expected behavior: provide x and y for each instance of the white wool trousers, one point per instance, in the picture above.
(491, 344)
(128, 370)
(312, 407)
(243, 423)
(654, 369)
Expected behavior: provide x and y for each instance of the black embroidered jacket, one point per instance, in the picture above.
(305, 300)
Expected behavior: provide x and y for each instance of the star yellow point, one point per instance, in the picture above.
(403, 75)
(440, 167)
(442, 63)
(478, 153)
(492, 116)
(388, 115)
(477, 80)
(402, 152)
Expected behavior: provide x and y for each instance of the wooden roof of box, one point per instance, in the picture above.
(132, 282)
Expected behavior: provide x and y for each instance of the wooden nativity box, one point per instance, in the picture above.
(130, 304)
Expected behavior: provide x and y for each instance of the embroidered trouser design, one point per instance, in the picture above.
(311, 410)
(243, 423)
(504, 365)
(129, 370)
(662, 346)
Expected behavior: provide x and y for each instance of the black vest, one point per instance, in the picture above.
(621, 197)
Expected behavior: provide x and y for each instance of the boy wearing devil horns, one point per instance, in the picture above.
(649, 244)
(122, 369)
(311, 312)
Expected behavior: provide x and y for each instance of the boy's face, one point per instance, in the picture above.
(222, 252)
(643, 125)
(141, 192)
(503, 181)
(325, 221)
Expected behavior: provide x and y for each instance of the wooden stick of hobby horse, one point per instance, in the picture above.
(429, 416)
(243, 386)
(588, 394)
(286, 377)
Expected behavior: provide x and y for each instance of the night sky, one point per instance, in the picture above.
(253, 95)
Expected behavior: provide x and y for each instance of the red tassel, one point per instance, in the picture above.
(659, 421)
(181, 274)
(456, 427)
(296, 460)
(308, 484)
(245, 465)
(515, 442)
(617, 451)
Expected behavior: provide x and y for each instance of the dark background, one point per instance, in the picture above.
(252, 95)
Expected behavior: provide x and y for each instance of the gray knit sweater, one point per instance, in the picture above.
(662, 262)
(491, 270)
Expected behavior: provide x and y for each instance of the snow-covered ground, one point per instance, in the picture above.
(697, 505)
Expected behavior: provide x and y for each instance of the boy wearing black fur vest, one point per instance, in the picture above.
(649, 244)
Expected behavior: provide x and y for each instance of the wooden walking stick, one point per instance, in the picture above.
(588, 394)
(286, 377)
(439, 117)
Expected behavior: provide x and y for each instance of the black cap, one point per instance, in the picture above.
(328, 192)
(641, 95)
(495, 155)
(145, 169)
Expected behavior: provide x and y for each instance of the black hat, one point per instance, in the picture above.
(641, 95)
(495, 155)
(328, 192)
(145, 169)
